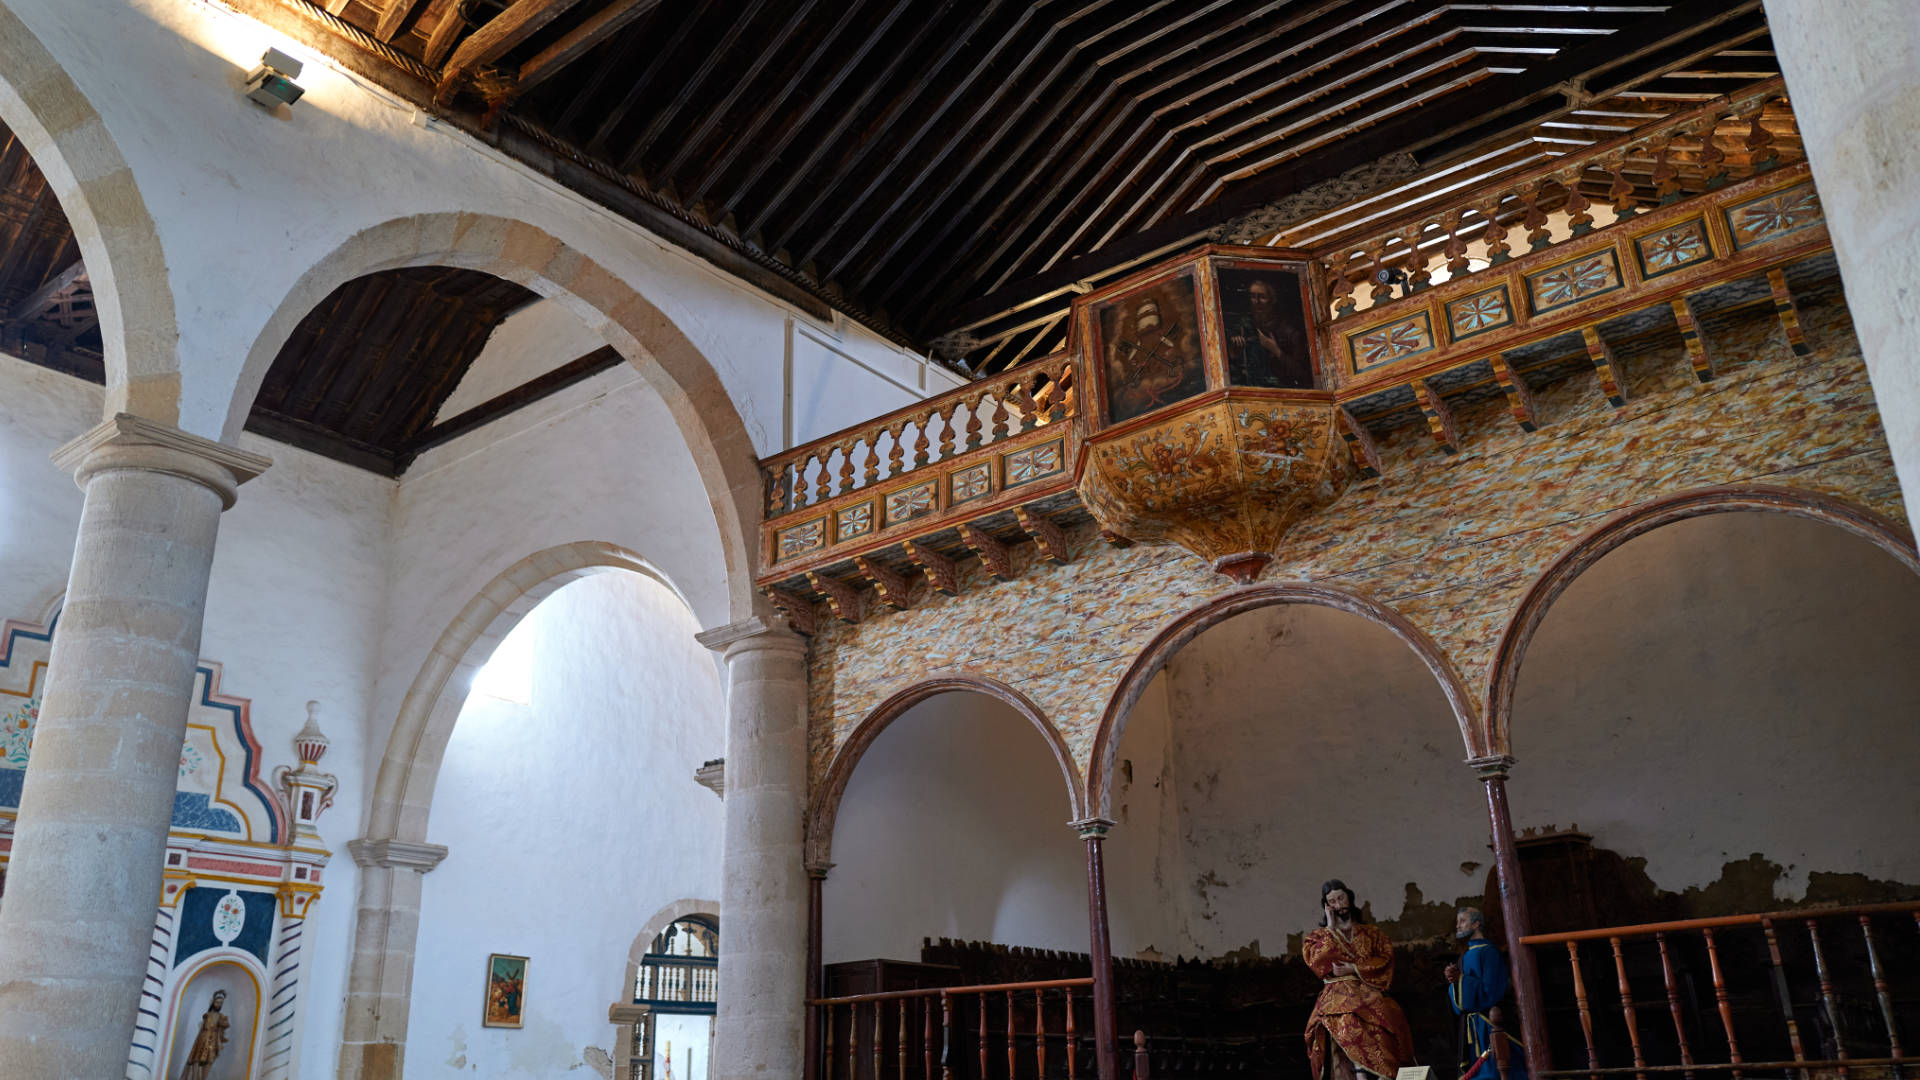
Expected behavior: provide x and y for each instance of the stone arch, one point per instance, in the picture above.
(74, 150)
(653, 927)
(825, 804)
(1184, 628)
(1885, 533)
(528, 255)
(410, 767)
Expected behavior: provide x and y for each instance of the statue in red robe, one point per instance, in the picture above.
(1354, 1023)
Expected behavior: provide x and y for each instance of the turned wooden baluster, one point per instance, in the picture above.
(901, 1048)
(1826, 993)
(823, 483)
(1579, 216)
(1713, 160)
(946, 431)
(1010, 1043)
(777, 490)
(926, 1038)
(1580, 1000)
(1780, 991)
(1500, 243)
(921, 444)
(853, 1040)
(1626, 1008)
(1382, 291)
(1000, 414)
(1620, 194)
(1881, 991)
(878, 1008)
(897, 455)
(1142, 1066)
(1341, 287)
(1673, 1004)
(983, 1037)
(1456, 249)
(1040, 1032)
(1068, 395)
(946, 1036)
(1720, 998)
(1666, 178)
(828, 1071)
(1412, 264)
(1759, 142)
(1073, 1041)
(1535, 221)
(973, 419)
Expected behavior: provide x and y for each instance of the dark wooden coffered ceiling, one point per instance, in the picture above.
(932, 166)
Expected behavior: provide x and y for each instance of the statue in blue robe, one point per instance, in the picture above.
(1476, 985)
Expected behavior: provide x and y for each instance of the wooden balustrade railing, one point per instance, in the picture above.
(1838, 957)
(1727, 139)
(1017, 1031)
(940, 428)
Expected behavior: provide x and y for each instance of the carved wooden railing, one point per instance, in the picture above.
(1856, 970)
(1015, 1030)
(852, 490)
(1727, 139)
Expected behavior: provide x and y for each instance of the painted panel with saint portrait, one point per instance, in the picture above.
(1149, 348)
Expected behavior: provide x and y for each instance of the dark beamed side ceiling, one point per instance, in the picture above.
(947, 170)
(46, 301)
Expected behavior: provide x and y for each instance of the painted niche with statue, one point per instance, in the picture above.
(1210, 428)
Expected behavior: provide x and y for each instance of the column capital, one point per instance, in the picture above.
(396, 854)
(751, 633)
(1491, 767)
(1093, 828)
(126, 441)
(817, 869)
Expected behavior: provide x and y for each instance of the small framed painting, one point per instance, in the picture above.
(506, 1000)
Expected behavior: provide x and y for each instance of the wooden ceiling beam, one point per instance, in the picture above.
(498, 35)
(696, 188)
(901, 151)
(446, 32)
(393, 18)
(742, 16)
(580, 41)
(818, 101)
(639, 87)
(758, 216)
(49, 291)
(1584, 73)
(713, 114)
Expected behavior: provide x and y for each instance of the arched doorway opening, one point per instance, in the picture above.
(567, 802)
(1275, 739)
(1712, 722)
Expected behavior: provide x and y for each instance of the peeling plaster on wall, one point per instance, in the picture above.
(1452, 543)
(1748, 661)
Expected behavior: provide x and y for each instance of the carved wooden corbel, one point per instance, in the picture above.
(1789, 314)
(1366, 452)
(1697, 353)
(799, 611)
(1519, 397)
(842, 599)
(1048, 536)
(889, 584)
(1439, 417)
(941, 572)
(1613, 381)
(994, 555)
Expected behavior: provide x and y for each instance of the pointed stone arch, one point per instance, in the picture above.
(72, 147)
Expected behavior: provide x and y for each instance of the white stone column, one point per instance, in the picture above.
(373, 1039)
(763, 877)
(98, 800)
(1853, 74)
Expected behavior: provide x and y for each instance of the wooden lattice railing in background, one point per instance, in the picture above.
(1724, 140)
(959, 1032)
(1858, 965)
(938, 429)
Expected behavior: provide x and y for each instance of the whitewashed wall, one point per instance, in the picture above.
(954, 825)
(292, 615)
(1724, 686)
(568, 822)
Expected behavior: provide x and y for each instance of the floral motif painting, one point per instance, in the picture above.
(1479, 313)
(802, 538)
(1391, 341)
(506, 1000)
(1672, 248)
(968, 484)
(1033, 463)
(1572, 282)
(1773, 216)
(16, 733)
(909, 503)
(854, 521)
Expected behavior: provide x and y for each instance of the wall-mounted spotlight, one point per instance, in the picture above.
(271, 84)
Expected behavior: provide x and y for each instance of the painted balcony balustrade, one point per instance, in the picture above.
(1216, 398)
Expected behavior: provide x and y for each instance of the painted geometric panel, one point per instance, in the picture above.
(1771, 217)
(853, 521)
(1389, 342)
(1572, 282)
(969, 484)
(1672, 248)
(1480, 313)
(909, 503)
(808, 536)
(1034, 463)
